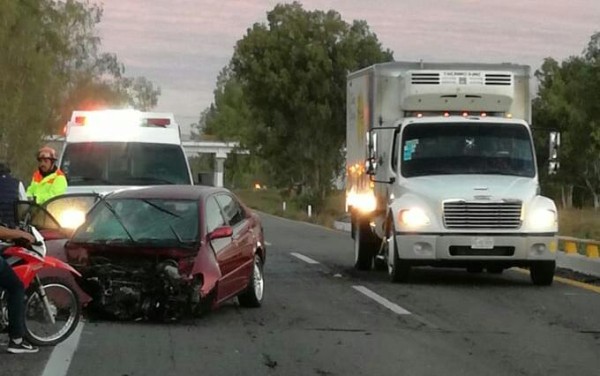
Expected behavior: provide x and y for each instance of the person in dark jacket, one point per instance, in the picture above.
(11, 190)
(15, 290)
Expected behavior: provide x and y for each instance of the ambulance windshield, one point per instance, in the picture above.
(119, 163)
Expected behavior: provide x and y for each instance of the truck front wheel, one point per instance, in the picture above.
(364, 246)
(542, 272)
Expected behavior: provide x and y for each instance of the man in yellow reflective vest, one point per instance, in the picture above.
(48, 180)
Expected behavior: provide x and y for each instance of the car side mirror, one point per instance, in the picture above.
(220, 232)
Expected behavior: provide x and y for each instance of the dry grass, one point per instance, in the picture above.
(579, 223)
(271, 202)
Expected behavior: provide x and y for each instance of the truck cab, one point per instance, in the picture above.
(108, 150)
(441, 170)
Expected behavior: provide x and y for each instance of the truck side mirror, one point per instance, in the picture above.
(554, 144)
(371, 162)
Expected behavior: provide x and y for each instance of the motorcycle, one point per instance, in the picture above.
(52, 307)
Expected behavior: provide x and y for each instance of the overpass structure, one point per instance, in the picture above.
(192, 149)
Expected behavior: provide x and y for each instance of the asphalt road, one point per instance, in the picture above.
(320, 317)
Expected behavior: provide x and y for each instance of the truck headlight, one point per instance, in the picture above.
(365, 202)
(414, 217)
(542, 219)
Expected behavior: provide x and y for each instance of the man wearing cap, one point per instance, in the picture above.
(48, 180)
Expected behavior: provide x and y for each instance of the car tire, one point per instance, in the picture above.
(253, 294)
(495, 269)
(364, 246)
(542, 272)
(475, 269)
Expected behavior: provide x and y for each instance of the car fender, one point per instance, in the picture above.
(206, 265)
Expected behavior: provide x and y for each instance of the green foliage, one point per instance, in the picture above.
(50, 65)
(569, 100)
(283, 95)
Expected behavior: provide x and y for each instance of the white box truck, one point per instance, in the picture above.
(441, 170)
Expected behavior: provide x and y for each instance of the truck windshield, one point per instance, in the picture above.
(466, 148)
(120, 163)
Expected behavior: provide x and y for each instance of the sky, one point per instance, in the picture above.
(181, 45)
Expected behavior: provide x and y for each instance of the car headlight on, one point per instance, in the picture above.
(414, 217)
(542, 219)
(71, 218)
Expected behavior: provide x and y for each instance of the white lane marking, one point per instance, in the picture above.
(304, 258)
(268, 244)
(62, 354)
(381, 300)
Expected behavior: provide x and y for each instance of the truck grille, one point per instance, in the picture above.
(490, 215)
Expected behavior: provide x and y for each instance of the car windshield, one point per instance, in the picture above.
(464, 148)
(160, 222)
(119, 163)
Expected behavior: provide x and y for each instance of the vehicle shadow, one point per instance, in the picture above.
(432, 276)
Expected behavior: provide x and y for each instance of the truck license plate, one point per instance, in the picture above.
(482, 242)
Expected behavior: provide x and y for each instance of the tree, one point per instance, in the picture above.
(292, 73)
(569, 99)
(50, 65)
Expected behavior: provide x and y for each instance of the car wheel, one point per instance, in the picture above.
(495, 269)
(363, 247)
(254, 293)
(398, 270)
(542, 272)
(475, 269)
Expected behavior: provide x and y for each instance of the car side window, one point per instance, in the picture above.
(233, 211)
(214, 218)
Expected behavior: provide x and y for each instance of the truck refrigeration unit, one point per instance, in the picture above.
(441, 170)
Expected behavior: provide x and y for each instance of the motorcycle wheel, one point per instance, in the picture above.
(64, 307)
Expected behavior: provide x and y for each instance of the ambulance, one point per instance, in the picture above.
(107, 150)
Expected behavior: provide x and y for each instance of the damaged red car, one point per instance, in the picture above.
(166, 251)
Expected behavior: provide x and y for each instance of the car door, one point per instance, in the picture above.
(243, 239)
(224, 248)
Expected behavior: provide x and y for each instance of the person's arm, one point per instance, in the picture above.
(32, 189)
(22, 193)
(11, 234)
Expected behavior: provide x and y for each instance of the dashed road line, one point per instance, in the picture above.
(60, 360)
(304, 258)
(268, 244)
(381, 300)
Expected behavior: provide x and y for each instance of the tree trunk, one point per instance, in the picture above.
(567, 196)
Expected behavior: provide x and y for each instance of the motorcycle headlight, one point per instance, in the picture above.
(413, 218)
(541, 219)
(71, 218)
